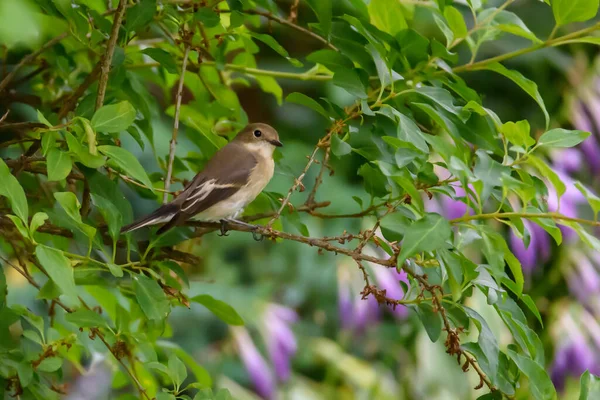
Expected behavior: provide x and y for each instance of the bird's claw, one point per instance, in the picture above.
(223, 228)
(259, 237)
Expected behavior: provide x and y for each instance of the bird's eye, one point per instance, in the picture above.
(257, 133)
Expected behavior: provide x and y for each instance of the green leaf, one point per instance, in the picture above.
(110, 213)
(268, 84)
(49, 291)
(306, 101)
(50, 364)
(11, 189)
(140, 15)
(115, 270)
(19, 225)
(387, 15)
(339, 147)
(164, 58)
(349, 80)
(456, 22)
(431, 320)
(222, 310)
(589, 386)
(68, 201)
(323, 9)
(58, 268)
(487, 342)
(567, 11)
(330, 59)
(548, 173)
(3, 289)
(113, 118)
(128, 163)
(528, 86)
(592, 199)
(425, 234)
(518, 133)
(43, 119)
(540, 385)
(177, 370)
(86, 319)
(173, 266)
(208, 17)
(562, 138)
(59, 164)
(151, 298)
(508, 22)
(165, 396)
(272, 43)
(82, 154)
(36, 221)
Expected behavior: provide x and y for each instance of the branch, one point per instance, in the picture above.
(565, 39)
(71, 101)
(107, 58)
(175, 124)
(505, 215)
(28, 59)
(321, 243)
(247, 71)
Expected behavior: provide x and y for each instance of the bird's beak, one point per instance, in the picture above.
(276, 143)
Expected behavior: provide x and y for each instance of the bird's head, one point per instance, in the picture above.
(259, 137)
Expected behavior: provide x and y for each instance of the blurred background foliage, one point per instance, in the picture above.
(308, 333)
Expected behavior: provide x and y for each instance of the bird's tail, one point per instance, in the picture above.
(160, 215)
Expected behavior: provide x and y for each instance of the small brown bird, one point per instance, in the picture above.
(231, 180)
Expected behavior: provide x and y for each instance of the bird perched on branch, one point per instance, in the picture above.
(231, 180)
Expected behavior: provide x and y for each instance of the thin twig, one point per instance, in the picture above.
(297, 183)
(28, 59)
(107, 58)
(173, 143)
(319, 179)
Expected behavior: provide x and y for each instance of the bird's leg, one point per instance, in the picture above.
(253, 228)
(223, 228)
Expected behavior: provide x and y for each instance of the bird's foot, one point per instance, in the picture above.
(223, 228)
(253, 228)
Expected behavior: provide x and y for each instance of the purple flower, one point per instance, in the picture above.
(389, 279)
(538, 250)
(449, 207)
(569, 202)
(260, 373)
(582, 117)
(583, 279)
(571, 360)
(281, 342)
(355, 313)
(568, 160)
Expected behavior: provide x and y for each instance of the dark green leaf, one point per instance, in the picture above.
(86, 319)
(110, 213)
(165, 59)
(431, 320)
(323, 9)
(140, 15)
(426, 234)
(279, 49)
(527, 85)
(339, 147)
(128, 163)
(151, 298)
(11, 189)
(349, 80)
(58, 268)
(208, 17)
(306, 101)
(487, 342)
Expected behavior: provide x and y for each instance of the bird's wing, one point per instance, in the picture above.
(226, 172)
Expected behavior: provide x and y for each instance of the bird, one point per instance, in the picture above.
(231, 179)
